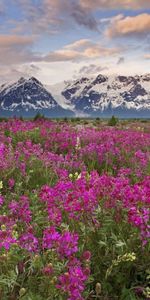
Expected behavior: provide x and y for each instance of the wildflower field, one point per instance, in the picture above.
(74, 211)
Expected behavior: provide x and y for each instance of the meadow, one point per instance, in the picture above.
(74, 210)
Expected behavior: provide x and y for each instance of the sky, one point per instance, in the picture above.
(57, 40)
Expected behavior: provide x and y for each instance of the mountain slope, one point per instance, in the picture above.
(26, 97)
(124, 96)
(105, 95)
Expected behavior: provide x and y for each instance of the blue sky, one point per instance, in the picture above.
(56, 40)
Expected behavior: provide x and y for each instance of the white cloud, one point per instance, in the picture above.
(124, 26)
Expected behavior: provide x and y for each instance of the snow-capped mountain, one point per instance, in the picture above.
(125, 96)
(27, 97)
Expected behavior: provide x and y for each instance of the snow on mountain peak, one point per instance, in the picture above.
(94, 96)
(107, 94)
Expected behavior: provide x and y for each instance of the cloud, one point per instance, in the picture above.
(11, 56)
(2, 8)
(81, 50)
(54, 15)
(37, 17)
(70, 11)
(114, 4)
(15, 49)
(99, 51)
(83, 17)
(61, 55)
(147, 56)
(15, 40)
(91, 69)
(34, 68)
(121, 60)
(124, 26)
(12, 73)
(30, 24)
(87, 48)
(79, 44)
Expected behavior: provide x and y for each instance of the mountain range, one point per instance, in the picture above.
(99, 96)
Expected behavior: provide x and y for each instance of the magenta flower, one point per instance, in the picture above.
(21, 210)
(50, 238)
(1, 200)
(13, 206)
(86, 255)
(2, 149)
(6, 239)
(11, 183)
(47, 270)
(68, 244)
(29, 242)
(73, 283)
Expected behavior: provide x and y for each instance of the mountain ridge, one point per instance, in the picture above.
(101, 95)
(104, 95)
(27, 97)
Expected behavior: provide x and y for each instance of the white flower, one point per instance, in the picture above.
(1, 185)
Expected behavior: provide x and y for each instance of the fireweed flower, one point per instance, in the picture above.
(68, 244)
(1, 200)
(77, 196)
(29, 242)
(23, 168)
(11, 183)
(7, 221)
(6, 239)
(13, 206)
(86, 255)
(54, 215)
(2, 149)
(48, 270)
(73, 282)
(21, 210)
(50, 238)
(140, 219)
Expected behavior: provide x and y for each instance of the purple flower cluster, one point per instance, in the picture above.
(58, 181)
(72, 282)
(65, 244)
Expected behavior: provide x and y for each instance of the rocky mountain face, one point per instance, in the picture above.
(124, 96)
(26, 97)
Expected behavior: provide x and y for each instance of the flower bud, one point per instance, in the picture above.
(50, 265)
(87, 271)
(98, 288)
(54, 280)
(47, 270)
(86, 255)
(76, 174)
(22, 292)
(3, 227)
